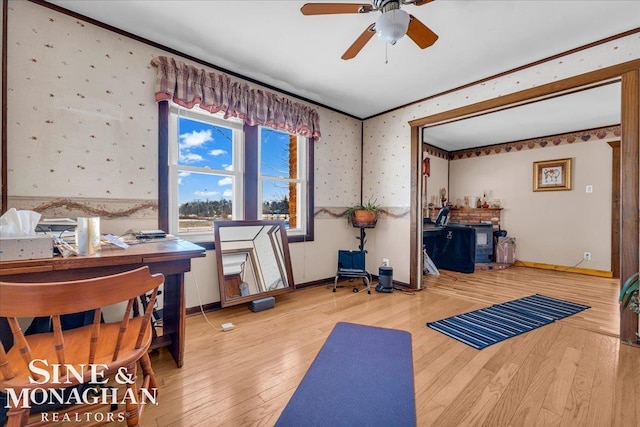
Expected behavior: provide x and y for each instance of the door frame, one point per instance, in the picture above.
(629, 74)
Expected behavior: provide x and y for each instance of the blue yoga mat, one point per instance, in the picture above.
(362, 376)
(487, 326)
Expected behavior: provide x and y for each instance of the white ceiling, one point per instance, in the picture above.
(586, 109)
(273, 43)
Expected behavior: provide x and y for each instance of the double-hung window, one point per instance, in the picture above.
(282, 178)
(221, 169)
(205, 171)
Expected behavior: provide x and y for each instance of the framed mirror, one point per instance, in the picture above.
(253, 260)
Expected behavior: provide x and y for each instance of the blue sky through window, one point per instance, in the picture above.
(274, 153)
(204, 145)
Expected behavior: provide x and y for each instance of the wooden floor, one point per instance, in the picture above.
(571, 372)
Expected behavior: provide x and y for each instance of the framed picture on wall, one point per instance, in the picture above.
(552, 175)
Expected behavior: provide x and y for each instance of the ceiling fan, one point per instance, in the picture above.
(391, 25)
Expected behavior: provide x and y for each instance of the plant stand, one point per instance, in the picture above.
(363, 235)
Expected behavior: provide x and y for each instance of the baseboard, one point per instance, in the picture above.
(206, 307)
(327, 281)
(543, 266)
(314, 283)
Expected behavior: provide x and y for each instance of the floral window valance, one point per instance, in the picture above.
(189, 86)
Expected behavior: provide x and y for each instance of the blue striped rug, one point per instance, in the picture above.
(487, 326)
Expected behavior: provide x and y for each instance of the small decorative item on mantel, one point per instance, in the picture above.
(479, 202)
(467, 204)
(443, 196)
(485, 204)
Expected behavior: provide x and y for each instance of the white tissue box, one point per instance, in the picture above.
(26, 247)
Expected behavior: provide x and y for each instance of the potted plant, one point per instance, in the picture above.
(630, 296)
(363, 214)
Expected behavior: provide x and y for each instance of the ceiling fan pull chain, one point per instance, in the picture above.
(386, 53)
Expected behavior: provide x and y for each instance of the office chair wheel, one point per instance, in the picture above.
(334, 289)
(355, 290)
(369, 291)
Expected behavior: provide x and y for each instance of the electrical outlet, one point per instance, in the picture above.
(587, 256)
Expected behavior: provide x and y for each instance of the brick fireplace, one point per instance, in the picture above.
(471, 215)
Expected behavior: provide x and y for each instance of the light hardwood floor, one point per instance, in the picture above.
(571, 372)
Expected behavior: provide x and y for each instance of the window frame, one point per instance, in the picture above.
(301, 179)
(251, 205)
(175, 114)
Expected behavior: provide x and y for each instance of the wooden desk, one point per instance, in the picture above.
(169, 257)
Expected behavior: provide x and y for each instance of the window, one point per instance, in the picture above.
(222, 169)
(282, 187)
(205, 171)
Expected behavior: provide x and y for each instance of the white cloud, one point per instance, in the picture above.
(228, 167)
(217, 152)
(227, 193)
(195, 139)
(205, 193)
(182, 174)
(190, 158)
(226, 181)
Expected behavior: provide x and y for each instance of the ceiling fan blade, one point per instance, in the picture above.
(420, 33)
(421, 2)
(357, 45)
(333, 8)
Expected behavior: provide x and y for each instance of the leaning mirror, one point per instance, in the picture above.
(253, 260)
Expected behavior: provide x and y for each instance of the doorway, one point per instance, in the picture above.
(615, 208)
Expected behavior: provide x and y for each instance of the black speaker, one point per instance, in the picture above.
(262, 304)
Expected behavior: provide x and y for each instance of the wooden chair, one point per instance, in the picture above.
(112, 348)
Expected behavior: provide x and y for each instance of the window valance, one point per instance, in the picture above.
(189, 86)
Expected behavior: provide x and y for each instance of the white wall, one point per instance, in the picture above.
(551, 227)
(390, 133)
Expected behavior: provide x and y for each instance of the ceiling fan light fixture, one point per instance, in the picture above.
(392, 25)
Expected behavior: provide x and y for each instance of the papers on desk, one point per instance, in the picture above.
(65, 242)
(57, 224)
(58, 220)
(135, 238)
(114, 240)
(68, 236)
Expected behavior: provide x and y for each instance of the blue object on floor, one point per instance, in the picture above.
(352, 264)
(487, 326)
(362, 376)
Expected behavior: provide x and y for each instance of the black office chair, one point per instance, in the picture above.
(351, 264)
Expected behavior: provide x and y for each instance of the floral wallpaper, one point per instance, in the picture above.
(530, 144)
(83, 129)
(82, 119)
(387, 137)
(337, 161)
